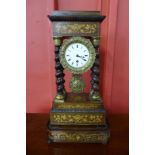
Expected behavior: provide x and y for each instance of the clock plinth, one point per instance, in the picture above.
(77, 117)
(78, 120)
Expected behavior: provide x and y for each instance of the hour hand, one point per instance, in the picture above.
(78, 56)
(81, 57)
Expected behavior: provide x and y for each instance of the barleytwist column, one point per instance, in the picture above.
(94, 93)
(59, 73)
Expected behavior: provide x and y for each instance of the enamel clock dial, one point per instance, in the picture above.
(77, 54)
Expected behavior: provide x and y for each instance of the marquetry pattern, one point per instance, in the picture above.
(80, 137)
(75, 28)
(81, 105)
(77, 118)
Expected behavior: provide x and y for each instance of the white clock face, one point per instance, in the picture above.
(77, 55)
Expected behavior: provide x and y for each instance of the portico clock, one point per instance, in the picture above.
(77, 116)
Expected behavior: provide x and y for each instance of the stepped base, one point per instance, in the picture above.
(78, 120)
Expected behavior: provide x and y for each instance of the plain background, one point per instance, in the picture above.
(40, 73)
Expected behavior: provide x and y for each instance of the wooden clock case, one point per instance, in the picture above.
(77, 117)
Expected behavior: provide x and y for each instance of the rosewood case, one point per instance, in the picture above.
(77, 118)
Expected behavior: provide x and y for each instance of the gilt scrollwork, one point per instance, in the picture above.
(79, 136)
(76, 28)
(69, 118)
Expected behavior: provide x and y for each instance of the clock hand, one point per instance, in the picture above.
(78, 55)
(84, 59)
(81, 57)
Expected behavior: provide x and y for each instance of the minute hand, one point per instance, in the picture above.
(81, 57)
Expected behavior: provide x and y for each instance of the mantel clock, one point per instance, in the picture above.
(77, 116)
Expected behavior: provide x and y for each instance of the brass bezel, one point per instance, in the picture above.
(91, 50)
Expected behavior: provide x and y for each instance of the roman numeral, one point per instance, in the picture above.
(76, 46)
(86, 55)
(69, 59)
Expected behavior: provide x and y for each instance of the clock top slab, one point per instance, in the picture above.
(76, 23)
(81, 16)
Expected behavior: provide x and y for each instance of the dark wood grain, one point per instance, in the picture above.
(95, 72)
(59, 72)
(83, 16)
(36, 139)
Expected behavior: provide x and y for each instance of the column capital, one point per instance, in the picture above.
(96, 40)
(57, 40)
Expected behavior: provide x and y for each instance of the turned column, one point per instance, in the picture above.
(94, 93)
(59, 72)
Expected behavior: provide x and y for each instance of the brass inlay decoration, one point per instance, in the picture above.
(78, 106)
(74, 118)
(70, 28)
(60, 136)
